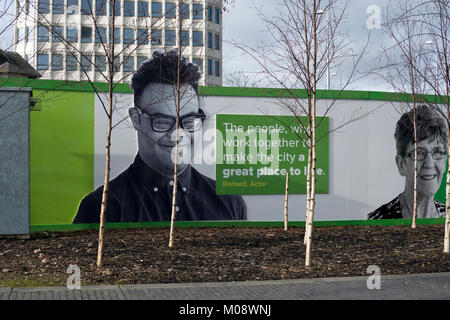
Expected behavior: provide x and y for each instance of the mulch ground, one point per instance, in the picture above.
(220, 254)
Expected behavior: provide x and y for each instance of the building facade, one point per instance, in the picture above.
(68, 39)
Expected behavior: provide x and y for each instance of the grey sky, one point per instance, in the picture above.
(242, 25)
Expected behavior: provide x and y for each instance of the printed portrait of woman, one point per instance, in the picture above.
(431, 163)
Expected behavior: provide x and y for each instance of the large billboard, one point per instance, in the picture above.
(238, 160)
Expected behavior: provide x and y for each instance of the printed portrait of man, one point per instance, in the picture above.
(431, 161)
(143, 192)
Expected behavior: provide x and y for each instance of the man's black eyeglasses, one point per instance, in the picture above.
(163, 123)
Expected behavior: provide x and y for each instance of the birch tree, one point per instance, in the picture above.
(111, 74)
(436, 32)
(404, 62)
(307, 40)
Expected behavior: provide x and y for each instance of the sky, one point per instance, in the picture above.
(242, 25)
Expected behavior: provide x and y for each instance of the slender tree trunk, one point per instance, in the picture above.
(313, 185)
(175, 166)
(175, 182)
(308, 181)
(413, 226)
(313, 143)
(447, 201)
(447, 206)
(286, 202)
(105, 186)
(103, 212)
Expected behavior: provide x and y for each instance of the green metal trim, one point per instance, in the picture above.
(321, 94)
(232, 224)
(62, 85)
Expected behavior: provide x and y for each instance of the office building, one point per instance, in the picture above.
(64, 39)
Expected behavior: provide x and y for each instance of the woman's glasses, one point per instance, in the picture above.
(437, 154)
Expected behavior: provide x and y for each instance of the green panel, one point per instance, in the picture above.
(440, 194)
(238, 224)
(215, 91)
(321, 94)
(254, 153)
(61, 85)
(61, 154)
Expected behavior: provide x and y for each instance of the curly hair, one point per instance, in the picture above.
(163, 68)
(429, 125)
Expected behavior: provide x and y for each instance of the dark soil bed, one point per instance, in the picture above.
(220, 254)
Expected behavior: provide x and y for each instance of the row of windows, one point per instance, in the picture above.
(85, 63)
(127, 35)
(128, 9)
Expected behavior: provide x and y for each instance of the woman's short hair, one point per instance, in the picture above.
(163, 68)
(429, 125)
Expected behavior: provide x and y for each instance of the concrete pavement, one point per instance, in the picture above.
(405, 287)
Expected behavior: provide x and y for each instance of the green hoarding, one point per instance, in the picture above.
(61, 154)
(254, 153)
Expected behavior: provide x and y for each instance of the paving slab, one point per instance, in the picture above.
(416, 286)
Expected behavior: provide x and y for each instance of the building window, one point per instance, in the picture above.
(217, 15)
(170, 37)
(86, 63)
(128, 35)
(156, 37)
(142, 9)
(86, 34)
(116, 64)
(58, 7)
(116, 8)
(217, 68)
(71, 63)
(42, 61)
(44, 6)
(72, 35)
(86, 7)
(197, 38)
(185, 14)
(216, 42)
(42, 34)
(72, 7)
(128, 64)
(100, 35)
(184, 38)
(156, 9)
(210, 39)
(116, 35)
(198, 62)
(100, 63)
(57, 62)
(141, 60)
(142, 36)
(100, 7)
(128, 9)
(20, 34)
(171, 10)
(209, 67)
(197, 11)
(57, 34)
(209, 13)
